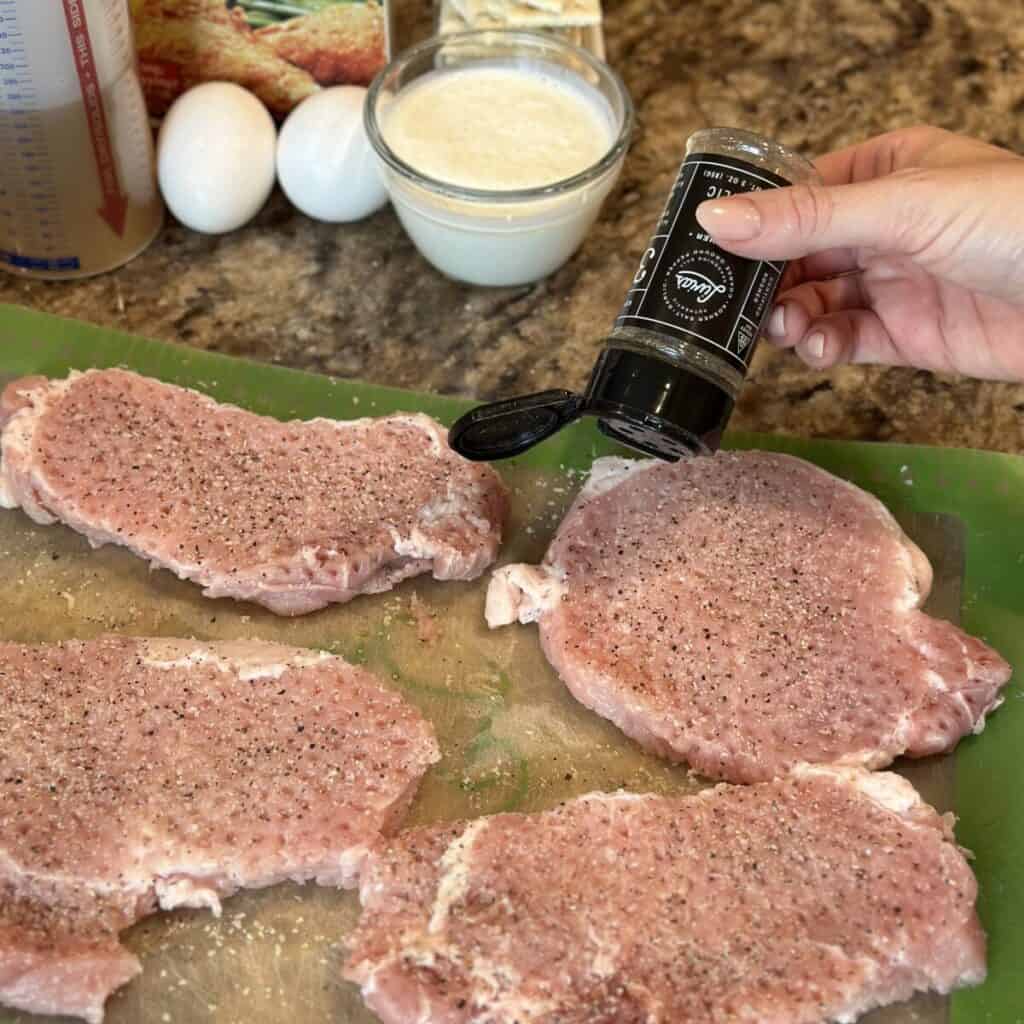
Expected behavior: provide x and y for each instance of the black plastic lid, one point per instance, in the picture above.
(503, 429)
(641, 401)
(656, 406)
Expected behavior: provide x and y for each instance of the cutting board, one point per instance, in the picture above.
(513, 738)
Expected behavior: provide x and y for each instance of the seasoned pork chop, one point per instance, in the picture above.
(137, 774)
(798, 901)
(747, 612)
(291, 515)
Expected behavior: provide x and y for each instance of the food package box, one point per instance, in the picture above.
(576, 21)
(281, 50)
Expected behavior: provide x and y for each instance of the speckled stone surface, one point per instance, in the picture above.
(359, 301)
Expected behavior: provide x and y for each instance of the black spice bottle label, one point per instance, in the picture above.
(690, 289)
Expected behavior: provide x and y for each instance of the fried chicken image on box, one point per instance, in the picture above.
(344, 44)
(184, 42)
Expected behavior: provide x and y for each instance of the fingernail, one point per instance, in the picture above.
(735, 220)
(814, 346)
(777, 322)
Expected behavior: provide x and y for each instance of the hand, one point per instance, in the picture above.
(911, 253)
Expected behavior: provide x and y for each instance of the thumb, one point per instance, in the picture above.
(793, 222)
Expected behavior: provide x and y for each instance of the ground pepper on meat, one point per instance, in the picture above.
(292, 515)
(747, 612)
(137, 772)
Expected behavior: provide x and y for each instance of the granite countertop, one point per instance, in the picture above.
(359, 301)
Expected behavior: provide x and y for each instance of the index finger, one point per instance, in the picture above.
(862, 161)
(820, 266)
(900, 149)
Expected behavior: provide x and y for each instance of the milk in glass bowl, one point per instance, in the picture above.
(498, 149)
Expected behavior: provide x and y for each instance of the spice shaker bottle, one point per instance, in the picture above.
(78, 190)
(673, 364)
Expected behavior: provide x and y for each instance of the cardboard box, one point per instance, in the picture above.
(281, 50)
(574, 21)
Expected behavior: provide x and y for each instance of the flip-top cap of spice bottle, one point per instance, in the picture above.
(667, 379)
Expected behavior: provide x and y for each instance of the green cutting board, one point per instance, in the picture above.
(982, 492)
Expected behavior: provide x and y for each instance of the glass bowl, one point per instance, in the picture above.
(488, 236)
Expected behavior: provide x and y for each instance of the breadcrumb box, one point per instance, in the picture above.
(281, 50)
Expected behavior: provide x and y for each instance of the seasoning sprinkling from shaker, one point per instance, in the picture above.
(675, 360)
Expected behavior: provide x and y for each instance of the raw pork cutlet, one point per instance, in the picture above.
(807, 899)
(291, 515)
(747, 612)
(146, 774)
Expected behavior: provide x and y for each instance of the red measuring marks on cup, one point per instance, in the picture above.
(115, 204)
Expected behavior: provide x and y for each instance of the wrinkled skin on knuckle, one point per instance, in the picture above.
(808, 210)
(908, 229)
(963, 223)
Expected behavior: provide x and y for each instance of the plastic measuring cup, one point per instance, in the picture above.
(78, 191)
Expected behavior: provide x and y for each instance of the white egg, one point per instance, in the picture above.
(324, 160)
(215, 157)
